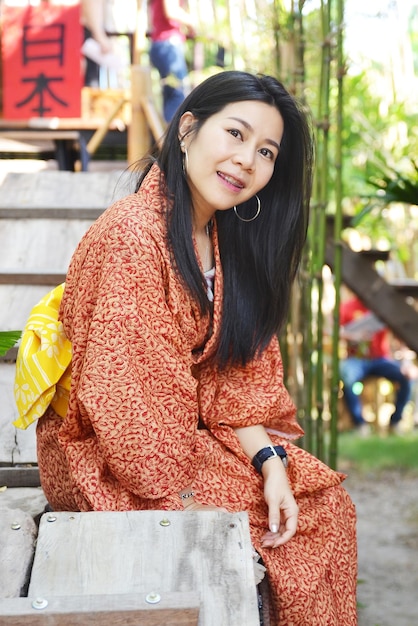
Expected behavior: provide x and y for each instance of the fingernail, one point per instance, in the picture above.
(274, 528)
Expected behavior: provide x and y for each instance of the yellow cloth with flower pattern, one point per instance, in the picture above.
(43, 364)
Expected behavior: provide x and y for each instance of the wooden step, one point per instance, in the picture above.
(20, 476)
(34, 277)
(50, 213)
(378, 295)
(63, 190)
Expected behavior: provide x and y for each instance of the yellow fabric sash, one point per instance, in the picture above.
(43, 364)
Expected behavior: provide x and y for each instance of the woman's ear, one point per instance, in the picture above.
(186, 124)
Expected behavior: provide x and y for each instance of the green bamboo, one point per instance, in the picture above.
(335, 378)
(319, 231)
(230, 34)
(304, 286)
(276, 15)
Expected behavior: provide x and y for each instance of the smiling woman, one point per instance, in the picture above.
(177, 398)
(231, 159)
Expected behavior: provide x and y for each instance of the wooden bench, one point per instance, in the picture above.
(117, 567)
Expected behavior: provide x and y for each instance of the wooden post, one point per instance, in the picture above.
(139, 139)
(140, 36)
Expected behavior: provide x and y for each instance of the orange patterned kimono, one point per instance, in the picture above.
(142, 375)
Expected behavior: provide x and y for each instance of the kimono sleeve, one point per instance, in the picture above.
(133, 407)
(249, 395)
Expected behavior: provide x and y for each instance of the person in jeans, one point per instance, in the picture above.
(369, 354)
(170, 25)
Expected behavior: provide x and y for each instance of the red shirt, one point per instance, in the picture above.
(161, 27)
(374, 348)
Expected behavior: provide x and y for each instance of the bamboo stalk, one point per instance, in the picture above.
(335, 377)
(318, 234)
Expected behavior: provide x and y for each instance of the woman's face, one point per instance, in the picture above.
(231, 157)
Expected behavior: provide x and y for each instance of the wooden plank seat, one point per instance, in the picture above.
(173, 609)
(140, 554)
(17, 544)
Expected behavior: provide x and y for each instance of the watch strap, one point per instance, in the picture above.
(267, 453)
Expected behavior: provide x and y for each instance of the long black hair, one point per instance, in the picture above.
(259, 259)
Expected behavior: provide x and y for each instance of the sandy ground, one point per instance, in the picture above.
(387, 512)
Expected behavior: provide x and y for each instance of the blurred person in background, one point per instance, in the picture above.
(102, 20)
(170, 24)
(369, 355)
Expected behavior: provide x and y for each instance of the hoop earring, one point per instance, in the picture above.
(185, 163)
(251, 219)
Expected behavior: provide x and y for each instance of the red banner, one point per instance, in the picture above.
(41, 61)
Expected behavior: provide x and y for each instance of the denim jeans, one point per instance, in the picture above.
(353, 370)
(168, 57)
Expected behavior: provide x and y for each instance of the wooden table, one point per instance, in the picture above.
(69, 135)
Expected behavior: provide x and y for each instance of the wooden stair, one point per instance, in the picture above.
(43, 216)
(387, 300)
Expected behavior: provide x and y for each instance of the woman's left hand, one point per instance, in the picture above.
(283, 509)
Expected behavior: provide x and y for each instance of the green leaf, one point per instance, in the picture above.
(8, 339)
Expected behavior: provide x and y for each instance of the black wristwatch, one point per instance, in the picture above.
(267, 453)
